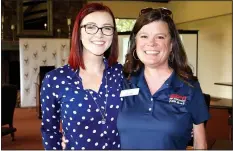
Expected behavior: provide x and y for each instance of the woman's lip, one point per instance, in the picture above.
(151, 52)
(98, 42)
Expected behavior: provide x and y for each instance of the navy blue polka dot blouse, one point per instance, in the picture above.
(88, 118)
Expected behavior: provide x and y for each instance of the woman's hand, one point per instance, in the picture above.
(63, 143)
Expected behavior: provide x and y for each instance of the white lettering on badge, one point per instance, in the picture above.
(129, 92)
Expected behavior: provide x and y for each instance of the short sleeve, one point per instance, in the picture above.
(197, 106)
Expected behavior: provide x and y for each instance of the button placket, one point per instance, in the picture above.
(152, 103)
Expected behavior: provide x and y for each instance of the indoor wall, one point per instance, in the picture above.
(215, 36)
(214, 53)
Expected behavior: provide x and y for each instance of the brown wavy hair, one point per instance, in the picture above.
(76, 51)
(177, 59)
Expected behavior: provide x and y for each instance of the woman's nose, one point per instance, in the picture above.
(99, 33)
(152, 42)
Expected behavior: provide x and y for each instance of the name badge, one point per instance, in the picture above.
(129, 92)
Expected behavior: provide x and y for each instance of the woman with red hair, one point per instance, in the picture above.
(84, 95)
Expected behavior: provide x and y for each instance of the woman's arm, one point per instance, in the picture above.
(50, 107)
(199, 136)
(198, 109)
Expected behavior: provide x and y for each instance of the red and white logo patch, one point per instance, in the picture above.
(178, 99)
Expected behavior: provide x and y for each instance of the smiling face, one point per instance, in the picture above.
(97, 43)
(153, 44)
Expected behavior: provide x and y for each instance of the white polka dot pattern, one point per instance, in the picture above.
(64, 99)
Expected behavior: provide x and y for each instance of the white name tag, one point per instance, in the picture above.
(129, 92)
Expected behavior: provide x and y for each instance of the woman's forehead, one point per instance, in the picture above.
(98, 18)
(155, 28)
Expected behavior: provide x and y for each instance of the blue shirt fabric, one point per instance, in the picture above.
(64, 99)
(163, 120)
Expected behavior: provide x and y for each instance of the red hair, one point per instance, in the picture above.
(76, 51)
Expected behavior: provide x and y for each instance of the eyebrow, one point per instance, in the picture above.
(155, 34)
(108, 24)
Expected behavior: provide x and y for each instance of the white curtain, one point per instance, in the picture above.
(36, 52)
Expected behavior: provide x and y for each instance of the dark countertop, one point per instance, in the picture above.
(221, 103)
(224, 83)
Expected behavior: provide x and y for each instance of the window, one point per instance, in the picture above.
(124, 25)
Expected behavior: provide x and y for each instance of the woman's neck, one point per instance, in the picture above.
(158, 73)
(93, 64)
(155, 77)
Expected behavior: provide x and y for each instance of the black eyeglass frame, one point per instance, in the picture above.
(162, 10)
(98, 28)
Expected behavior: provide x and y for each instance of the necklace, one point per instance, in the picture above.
(103, 114)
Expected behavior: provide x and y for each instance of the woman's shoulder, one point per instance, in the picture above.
(193, 84)
(59, 72)
(115, 69)
(117, 66)
(57, 69)
(187, 83)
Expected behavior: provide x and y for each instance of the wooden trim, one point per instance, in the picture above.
(181, 31)
(124, 33)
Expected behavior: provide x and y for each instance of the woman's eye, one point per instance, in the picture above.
(143, 36)
(160, 37)
(108, 28)
(90, 27)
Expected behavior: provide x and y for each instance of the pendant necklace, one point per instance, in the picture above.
(103, 114)
(103, 121)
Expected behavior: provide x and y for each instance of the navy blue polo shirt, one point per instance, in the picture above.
(163, 120)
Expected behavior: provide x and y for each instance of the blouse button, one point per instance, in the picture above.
(150, 109)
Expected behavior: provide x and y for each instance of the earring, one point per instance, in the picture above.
(134, 56)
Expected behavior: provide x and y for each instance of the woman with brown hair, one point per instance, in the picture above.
(162, 100)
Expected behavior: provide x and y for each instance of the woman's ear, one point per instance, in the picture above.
(171, 46)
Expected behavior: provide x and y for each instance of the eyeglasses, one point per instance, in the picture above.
(162, 11)
(93, 29)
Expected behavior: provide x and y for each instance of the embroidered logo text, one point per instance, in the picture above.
(178, 99)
